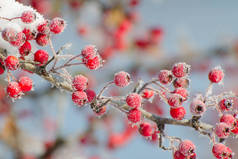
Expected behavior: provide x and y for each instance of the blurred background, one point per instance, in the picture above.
(140, 37)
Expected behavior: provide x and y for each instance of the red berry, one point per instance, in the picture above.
(57, 25)
(222, 130)
(89, 52)
(90, 94)
(183, 92)
(25, 83)
(44, 27)
(42, 39)
(80, 83)
(134, 115)
(175, 100)
(216, 75)
(179, 155)
(147, 93)
(9, 34)
(145, 129)
(2, 69)
(220, 151)
(79, 98)
(226, 104)
(122, 79)
(177, 113)
(94, 63)
(228, 119)
(25, 49)
(197, 107)
(19, 39)
(30, 35)
(181, 82)
(28, 17)
(101, 111)
(14, 90)
(165, 76)
(186, 147)
(133, 100)
(41, 56)
(180, 70)
(12, 63)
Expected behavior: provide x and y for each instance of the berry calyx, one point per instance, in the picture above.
(197, 107)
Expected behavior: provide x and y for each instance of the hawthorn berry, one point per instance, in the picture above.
(181, 91)
(145, 129)
(18, 40)
(175, 100)
(177, 113)
(30, 35)
(25, 83)
(41, 56)
(221, 151)
(147, 93)
(43, 27)
(122, 79)
(181, 82)
(11, 63)
(57, 25)
(216, 75)
(102, 110)
(89, 52)
(228, 119)
(134, 115)
(25, 49)
(165, 76)
(197, 107)
(28, 17)
(9, 34)
(186, 147)
(179, 155)
(222, 130)
(94, 63)
(14, 90)
(42, 39)
(2, 69)
(90, 94)
(133, 100)
(180, 69)
(226, 104)
(79, 98)
(80, 83)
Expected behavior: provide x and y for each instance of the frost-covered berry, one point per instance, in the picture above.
(42, 39)
(133, 100)
(181, 91)
(28, 17)
(165, 76)
(41, 56)
(9, 34)
(221, 151)
(2, 69)
(180, 70)
(101, 110)
(179, 155)
(89, 52)
(222, 130)
(216, 75)
(90, 94)
(147, 93)
(181, 82)
(19, 39)
(175, 100)
(228, 119)
(226, 104)
(145, 129)
(197, 107)
(177, 113)
(14, 90)
(94, 63)
(122, 79)
(186, 147)
(57, 25)
(25, 49)
(134, 115)
(80, 83)
(44, 27)
(79, 98)
(30, 35)
(25, 83)
(11, 63)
